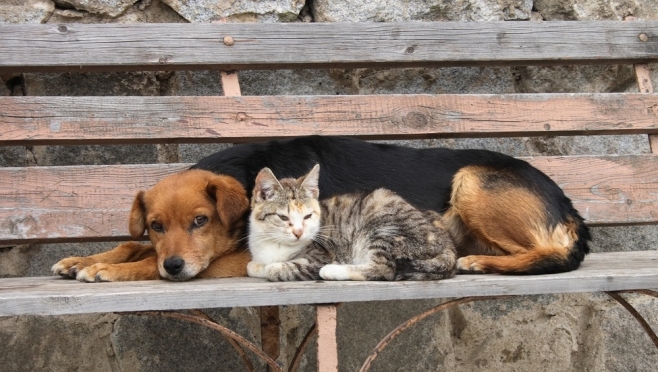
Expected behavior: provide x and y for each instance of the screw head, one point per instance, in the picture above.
(228, 40)
(643, 37)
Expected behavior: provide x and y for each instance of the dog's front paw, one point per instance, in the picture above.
(100, 272)
(69, 267)
(469, 265)
(256, 269)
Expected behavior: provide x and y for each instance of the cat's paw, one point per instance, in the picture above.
(335, 272)
(469, 265)
(256, 269)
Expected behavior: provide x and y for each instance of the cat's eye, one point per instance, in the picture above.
(282, 217)
(200, 220)
(157, 226)
(308, 216)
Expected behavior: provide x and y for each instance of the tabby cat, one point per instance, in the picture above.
(375, 236)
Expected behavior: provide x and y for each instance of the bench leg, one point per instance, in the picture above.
(327, 345)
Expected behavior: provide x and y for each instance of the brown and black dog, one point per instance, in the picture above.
(505, 215)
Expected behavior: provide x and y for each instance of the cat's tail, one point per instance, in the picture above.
(439, 267)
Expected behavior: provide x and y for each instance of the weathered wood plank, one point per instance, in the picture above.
(86, 120)
(72, 203)
(56, 204)
(123, 47)
(55, 296)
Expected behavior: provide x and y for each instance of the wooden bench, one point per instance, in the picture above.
(91, 203)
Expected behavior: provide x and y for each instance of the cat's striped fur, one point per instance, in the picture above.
(374, 236)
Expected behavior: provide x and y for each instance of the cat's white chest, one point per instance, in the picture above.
(267, 253)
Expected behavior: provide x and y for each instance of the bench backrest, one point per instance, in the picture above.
(87, 203)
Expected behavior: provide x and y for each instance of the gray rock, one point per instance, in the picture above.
(149, 343)
(58, 343)
(146, 12)
(111, 8)
(26, 11)
(595, 9)
(12, 156)
(4, 90)
(238, 10)
(427, 10)
(93, 84)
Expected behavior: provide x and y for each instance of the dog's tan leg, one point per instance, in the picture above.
(146, 269)
(230, 265)
(126, 252)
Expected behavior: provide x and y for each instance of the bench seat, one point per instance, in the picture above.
(614, 271)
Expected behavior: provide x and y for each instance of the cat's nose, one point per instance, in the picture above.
(298, 232)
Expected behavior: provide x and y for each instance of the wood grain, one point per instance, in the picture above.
(103, 120)
(56, 204)
(132, 47)
(53, 296)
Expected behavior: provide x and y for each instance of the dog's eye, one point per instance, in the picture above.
(156, 226)
(200, 221)
(282, 217)
(308, 216)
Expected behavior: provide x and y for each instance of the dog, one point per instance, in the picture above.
(195, 221)
(505, 215)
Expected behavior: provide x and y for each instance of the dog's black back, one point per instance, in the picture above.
(421, 176)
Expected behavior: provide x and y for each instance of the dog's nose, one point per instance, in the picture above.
(174, 265)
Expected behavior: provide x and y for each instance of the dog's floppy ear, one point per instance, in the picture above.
(137, 223)
(230, 196)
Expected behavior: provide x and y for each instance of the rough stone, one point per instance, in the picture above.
(12, 156)
(58, 343)
(15, 260)
(582, 10)
(92, 84)
(110, 8)
(26, 11)
(46, 255)
(575, 79)
(150, 343)
(238, 10)
(4, 89)
(146, 12)
(427, 10)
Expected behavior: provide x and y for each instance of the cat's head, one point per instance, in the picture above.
(286, 211)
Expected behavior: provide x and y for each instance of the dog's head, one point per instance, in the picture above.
(192, 218)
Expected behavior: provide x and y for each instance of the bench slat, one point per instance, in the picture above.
(56, 204)
(103, 120)
(54, 296)
(119, 47)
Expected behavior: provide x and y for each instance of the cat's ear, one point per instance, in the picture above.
(266, 185)
(311, 182)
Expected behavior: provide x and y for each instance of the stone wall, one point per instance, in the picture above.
(585, 332)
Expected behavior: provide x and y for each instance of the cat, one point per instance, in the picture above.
(373, 236)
